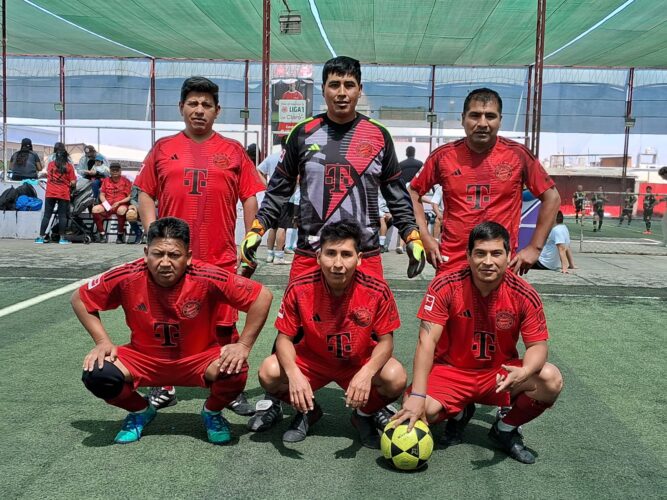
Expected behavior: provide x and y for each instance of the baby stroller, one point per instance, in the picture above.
(81, 200)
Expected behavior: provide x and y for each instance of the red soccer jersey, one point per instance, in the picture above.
(480, 187)
(57, 184)
(169, 323)
(116, 191)
(482, 332)
(201, 183)
(337, 331)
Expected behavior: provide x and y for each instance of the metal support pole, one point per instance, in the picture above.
(4, 87)
(62, 101)
(539, 66)
(431, 109)
(628, 115)
(266, 79)
(529, 83)
(245, 105)
(153, 105)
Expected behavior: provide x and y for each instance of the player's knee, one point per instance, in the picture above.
(269, 371)
(552, 380)
(98, 209)
(122, 210)
(106, 383)
(393, 378)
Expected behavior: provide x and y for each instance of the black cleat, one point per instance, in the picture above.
(268, 412)
(454, 428)
(512, 444)
(241, 406)
(301, 423)
(368, 434)
(120, 239)
(383, 416)
(160, 397)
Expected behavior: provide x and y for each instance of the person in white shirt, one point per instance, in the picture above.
(556, 254)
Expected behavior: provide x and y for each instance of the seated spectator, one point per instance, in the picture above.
(61, 179)
(93, 166)
(556, 253)
(132, 215)
(25, 163)
(253, 152)
(114, 198)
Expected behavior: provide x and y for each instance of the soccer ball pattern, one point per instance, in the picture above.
(407, 450)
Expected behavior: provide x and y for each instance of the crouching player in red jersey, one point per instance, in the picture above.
(334, 325)
(466, 353)
(171, 304)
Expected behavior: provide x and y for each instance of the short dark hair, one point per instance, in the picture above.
(341, 65)
(487, 231)
(663, 172)
(410, 151)
(484, 95)
(199, 84)
(649, 187)
(169, 227)
(342, 230)
(559, 217)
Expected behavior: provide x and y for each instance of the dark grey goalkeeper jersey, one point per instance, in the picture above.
(341, 170)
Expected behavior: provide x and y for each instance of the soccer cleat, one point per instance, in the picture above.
(134, 424)
(240, 406)
(502, 412)
(280, 261)
(454, 428)
(217, 427)
(383, 416)
(160, 397)
(399, 250)
(511, 443)
(368, 433)
(40, 240)
(64, 241)
(101, 238)
(120, 239)
(137, 236)
(268, 412)
(301, 423)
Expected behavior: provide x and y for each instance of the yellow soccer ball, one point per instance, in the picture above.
(407, 450)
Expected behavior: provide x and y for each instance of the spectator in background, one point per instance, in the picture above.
(275, 239)
(25, 163)
(94, 167)
(61, 178)
(578, 199)
(663, 173)
(253, 153)
(628, 205)
(556, 253)
(132, 215)
(114, 199)
(410, 166)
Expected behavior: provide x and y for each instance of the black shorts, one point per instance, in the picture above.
(648, 213)
(579, 206)
(287, 213)
(600, 213)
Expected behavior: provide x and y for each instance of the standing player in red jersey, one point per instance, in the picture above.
(199, 176)
(471, 320)
(170, 303)
(482, 178)
(342, 161)
(334, 325)
(114, 198)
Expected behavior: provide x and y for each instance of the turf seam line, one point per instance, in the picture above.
(19, 306)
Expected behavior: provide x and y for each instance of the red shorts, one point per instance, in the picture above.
(113, 211)
(303, 264)
(148, 371)
(455, 388)
(319, 375)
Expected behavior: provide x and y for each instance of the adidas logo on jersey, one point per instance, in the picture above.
(457, 172)
(316, 318)
(174, 157)
(141, 307)
(314, 147)
(465, 314)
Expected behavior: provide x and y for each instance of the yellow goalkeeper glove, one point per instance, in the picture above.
(250, 244)
(416, 255)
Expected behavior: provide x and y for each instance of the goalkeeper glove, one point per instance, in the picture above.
(250, 244)
(416, 255)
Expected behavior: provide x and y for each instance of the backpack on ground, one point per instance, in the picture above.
(8, 199)
(26, 189)
(28, 204)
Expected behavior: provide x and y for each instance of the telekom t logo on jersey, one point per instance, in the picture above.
(339, 345)
(168, 332)
(196, 179)
(478, 195)
(484, 344)
(338, 178)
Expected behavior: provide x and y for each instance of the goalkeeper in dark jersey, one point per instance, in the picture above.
(578, 199)
(342, 160)
(598, 199)
(628, 205)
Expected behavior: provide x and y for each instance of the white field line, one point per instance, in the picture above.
(41, 298)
